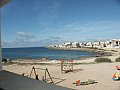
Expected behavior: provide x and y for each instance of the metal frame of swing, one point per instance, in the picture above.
(45, 75)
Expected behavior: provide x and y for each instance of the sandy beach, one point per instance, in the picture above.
(101, 72)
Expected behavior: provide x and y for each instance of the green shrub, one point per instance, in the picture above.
(99, 60)
(117, 59)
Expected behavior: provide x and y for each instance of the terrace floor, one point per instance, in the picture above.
(12, 81)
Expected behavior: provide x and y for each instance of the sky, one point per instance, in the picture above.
(37, 23)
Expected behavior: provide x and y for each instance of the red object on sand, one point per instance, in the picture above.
(77, 82)
(117, 67)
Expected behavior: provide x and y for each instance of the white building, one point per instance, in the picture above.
(102, 44)
(115, 43)
(96, 44)
(75, 44)
(89, 44)
(82, 44)
(68, 44)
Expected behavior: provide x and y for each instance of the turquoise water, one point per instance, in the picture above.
(42, 52)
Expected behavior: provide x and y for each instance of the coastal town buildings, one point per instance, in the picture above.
(114, 43)
(75, 44)
(89, 44)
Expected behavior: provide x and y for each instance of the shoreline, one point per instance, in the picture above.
(99, 52)
(112, 54)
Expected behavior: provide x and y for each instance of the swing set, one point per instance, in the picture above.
(45, 74)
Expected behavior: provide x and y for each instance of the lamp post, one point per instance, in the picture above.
(2, 3)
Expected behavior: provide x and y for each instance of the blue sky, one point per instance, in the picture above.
(31, 23)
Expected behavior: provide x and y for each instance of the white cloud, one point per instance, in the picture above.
(55, 37)
(31, 42)
(23, 33)
(26, 35)
(26, 39)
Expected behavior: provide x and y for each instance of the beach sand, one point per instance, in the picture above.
(102, 73)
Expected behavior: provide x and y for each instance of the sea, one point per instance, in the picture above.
(43, 52)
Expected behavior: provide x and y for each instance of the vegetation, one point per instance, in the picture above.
(117, 59)
(100, 60)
